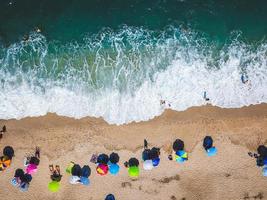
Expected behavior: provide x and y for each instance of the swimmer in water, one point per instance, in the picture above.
(205, 96)
(244, 79)
(38, 30)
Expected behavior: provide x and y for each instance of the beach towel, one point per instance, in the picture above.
(133, 172)
(31, 169)
(114, 168)
(156, 162)
(211, 151)
(181, 156)
(102, 169)
(148, 165)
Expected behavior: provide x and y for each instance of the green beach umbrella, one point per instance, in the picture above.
(133, 172)
(53, 186)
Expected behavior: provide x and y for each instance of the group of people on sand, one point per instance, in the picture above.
(23, 178)
(105, 164)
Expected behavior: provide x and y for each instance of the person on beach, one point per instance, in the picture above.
(25, 182)
(205, 96)
(76, 173)
(133, 167)
(179, 154)
(86, 172)
(5, 160)
(110, 197)
(16, 181)
(261, 158)
(261, 155)
(102, 164)
(21, 180)
(55, 177)
(32, 162)
(150, 157)
(208, 146)
(2, 132)
(113, 166)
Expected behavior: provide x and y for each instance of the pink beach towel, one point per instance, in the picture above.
(31, 169)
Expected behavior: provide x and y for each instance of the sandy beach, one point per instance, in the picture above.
(230, 175)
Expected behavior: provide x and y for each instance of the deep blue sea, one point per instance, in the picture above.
(120, 59)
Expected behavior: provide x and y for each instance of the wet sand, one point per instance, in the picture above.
(231, 174)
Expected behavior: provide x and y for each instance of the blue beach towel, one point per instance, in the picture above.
(212, 151)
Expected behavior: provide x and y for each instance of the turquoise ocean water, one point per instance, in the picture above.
(118, 59)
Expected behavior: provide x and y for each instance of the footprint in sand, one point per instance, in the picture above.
(126, 184)
(168, 179)
(258, 196)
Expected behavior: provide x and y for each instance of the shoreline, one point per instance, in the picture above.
(62, 139)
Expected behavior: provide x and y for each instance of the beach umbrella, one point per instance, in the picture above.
(178, 145)
(133, 171)
(148, 165)
(8, 151)
(114, 169)
(54, 186)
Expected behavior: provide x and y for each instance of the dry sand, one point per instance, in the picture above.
(232, 174)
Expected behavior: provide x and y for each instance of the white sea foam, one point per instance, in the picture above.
(181, 84)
